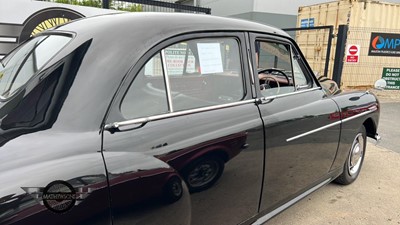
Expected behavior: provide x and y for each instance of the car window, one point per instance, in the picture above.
(147, 95)
(17, 68)
(198, 73)
(274, 68)
(299, 76)
(205, 72)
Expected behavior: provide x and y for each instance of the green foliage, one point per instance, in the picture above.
(98, 4)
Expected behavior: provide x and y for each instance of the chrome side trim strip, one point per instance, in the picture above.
(268, 216)
(175, 114)
(331, 125)
(166, 79)
(313, 131)
(358, 115)
(289, 94)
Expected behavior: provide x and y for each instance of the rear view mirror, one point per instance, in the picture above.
(380, 84)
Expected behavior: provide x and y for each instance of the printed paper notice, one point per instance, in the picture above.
(210, 58)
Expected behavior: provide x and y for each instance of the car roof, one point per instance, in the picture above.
(118, 42)
(165, 24)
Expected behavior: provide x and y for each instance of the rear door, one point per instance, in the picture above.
(188, 108)
(301, 135)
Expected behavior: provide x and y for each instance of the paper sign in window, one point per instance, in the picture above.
(210, 58)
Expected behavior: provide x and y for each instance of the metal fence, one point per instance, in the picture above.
(139, 5)
(369, 68)
(315, 43)
(159, 6)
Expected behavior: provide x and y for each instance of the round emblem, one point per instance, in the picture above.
(59, 196)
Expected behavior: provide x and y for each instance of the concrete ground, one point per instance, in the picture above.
(374, 198)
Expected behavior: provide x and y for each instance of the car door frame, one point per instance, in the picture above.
(314, 86)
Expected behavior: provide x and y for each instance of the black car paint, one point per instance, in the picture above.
(127, 180)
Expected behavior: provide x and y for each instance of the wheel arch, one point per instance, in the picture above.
(370, 127)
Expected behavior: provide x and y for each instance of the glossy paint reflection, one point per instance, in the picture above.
(22, 199)
(190, 144)
(142, 186)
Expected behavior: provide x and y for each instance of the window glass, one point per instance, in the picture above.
(17, 68)
(146, 95)
(204, 72)
(200, 72)
(299, 76)
(274, 68)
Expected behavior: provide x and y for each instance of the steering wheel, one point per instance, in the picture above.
(266, 85)
(272, 71)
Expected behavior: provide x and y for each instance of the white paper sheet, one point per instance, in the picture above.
(210, 58)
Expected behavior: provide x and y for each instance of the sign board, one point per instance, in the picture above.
(352, 53)
(384, 44)
(309, 22)
(210, 58)
(392, 77)
(304, 23)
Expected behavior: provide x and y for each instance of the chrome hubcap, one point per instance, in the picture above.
(356, 154)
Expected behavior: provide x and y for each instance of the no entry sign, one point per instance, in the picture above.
(352, 53)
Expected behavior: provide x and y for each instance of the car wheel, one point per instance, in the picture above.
(203, 173)
(173, 190)
(354, 161)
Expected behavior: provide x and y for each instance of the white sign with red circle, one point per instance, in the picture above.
(352, 53)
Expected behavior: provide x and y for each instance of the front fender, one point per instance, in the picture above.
(356, 109)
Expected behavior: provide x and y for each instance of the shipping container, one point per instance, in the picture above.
(366, 20)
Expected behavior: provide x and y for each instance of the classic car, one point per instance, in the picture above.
(157, 118)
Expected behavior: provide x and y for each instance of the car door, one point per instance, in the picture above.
(301, 135)
(186, 114)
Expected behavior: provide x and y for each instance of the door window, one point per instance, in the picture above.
(187, 75)
(279, 70)
(147, 95)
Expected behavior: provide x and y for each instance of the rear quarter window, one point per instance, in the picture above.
(17, 68)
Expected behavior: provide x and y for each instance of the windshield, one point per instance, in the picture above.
(18, 67)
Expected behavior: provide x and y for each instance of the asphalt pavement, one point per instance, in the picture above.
(373, 199)
(389, 126)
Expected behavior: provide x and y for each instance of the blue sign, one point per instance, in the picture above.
(311, 22)
(304, 23)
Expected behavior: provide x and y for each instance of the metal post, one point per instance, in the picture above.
(339, 54)
(106, 4)
(328, 51)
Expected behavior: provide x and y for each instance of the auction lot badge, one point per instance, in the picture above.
(392, 77)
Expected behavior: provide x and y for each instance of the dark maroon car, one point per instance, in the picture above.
(150, 118)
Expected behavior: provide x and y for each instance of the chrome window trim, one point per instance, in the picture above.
(166, 79)
(268, 216)
(330, 125)
(175, 114)
(268, 98)
(251, 68)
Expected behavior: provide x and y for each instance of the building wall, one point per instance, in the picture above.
(276, 20)
(227, 7)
